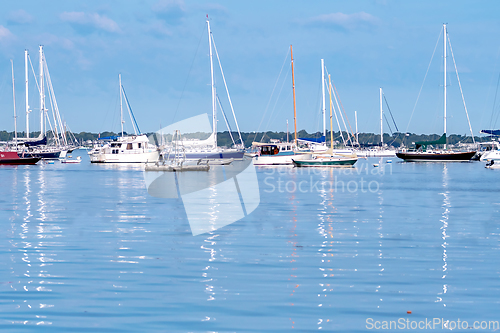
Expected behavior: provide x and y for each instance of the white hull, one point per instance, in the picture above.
(490, 155)
(279, 159)
(146, 157)
(131, 149)
(376, 153)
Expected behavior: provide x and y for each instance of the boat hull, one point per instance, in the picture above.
(279, 159)
(320, 162)
(12, 158)
(148, 157)
(214, 155)
(46, 155)
(436, 157)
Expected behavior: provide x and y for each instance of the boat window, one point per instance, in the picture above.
(269, 150)
(129, 146)
(139, 145)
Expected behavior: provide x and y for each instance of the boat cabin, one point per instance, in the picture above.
(275, 149)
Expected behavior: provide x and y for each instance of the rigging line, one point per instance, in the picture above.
(461, 92)
(343, 110)
(55, 107)
(494, 103)
(422, 86)
(316, 118)
(134, 122)
(34, 74)
(388, 108)
(388, 124)
(272, 92)
(332, 108)
(227, 91)
(225, 119)
(270, 118)
(187, 78)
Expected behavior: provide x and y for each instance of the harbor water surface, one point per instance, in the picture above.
(84, 247)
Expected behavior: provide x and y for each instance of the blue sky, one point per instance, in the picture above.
(161, 50)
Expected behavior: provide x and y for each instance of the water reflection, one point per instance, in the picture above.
(31, 229)
(325, 229)
(444, 235)
(380, 237)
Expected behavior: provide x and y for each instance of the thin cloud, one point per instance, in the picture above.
(91, 20)
(172, 11)
(343, 21)
(159, 29)
(19, 17)
(5, 34)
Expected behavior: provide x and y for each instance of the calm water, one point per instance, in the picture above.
(84, 248)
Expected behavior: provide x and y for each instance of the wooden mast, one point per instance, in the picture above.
(294, 105)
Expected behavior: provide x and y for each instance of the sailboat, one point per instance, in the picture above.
(207, 150)
(421, 152)
(125, 148)
(329, 158)
(40, 147)
(380, 151)
(279, 153)
(9, 156)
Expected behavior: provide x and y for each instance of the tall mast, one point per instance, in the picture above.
(356, 121)
(26, 91)
(323, 89)
(42, 93)
(14, 99)
(121, 102)
(331, 113)
(294, 105)
(214, 112)
(381, 122)
(444, 38)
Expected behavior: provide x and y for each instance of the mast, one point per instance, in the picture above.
(381, 122)
(331, 115)
(444, 39)
(121, 102)
(356, 121)
(26, 91)
(294, 105)
(42, 94)
(14, 99)
(323, 90)
(214, 112)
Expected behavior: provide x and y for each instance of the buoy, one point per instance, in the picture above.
(408, 312)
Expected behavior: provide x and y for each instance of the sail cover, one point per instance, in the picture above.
(40, 142)
(491, 132)
(440, 141)
(316, 140)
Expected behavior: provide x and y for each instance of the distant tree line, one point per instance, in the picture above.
(224, 139)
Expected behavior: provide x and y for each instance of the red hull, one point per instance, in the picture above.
(12, 158)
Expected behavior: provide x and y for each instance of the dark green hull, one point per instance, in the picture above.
(319, 162)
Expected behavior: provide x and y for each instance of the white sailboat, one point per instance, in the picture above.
(40, 147)
(380, 151)
(207, 150)
(125, 148)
